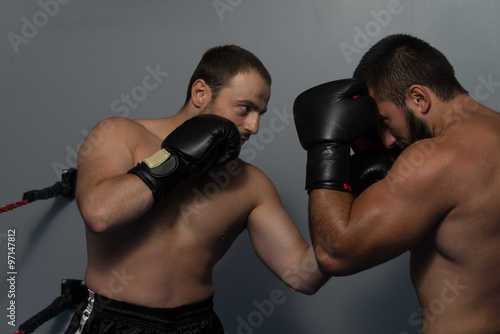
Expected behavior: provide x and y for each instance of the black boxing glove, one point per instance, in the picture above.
(367, 167)
(199, 143)
(327, 118)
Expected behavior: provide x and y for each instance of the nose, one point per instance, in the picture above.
(252, 123)
(387, 137)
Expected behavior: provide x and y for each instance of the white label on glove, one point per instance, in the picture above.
(157, 159)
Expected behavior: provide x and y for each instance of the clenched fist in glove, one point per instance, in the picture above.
(199, 143)
(328, 118)
(367, 167)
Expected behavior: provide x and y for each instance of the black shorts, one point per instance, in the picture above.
(103, 315)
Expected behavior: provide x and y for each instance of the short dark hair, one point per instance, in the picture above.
(221, 63)
(398, 61)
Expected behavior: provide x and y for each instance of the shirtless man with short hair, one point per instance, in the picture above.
(152, 241)
(440, 199)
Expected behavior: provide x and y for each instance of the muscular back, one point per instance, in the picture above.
(456, 266)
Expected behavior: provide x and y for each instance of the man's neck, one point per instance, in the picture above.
(448, 113)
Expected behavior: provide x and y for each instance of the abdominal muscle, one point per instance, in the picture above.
(166, 258)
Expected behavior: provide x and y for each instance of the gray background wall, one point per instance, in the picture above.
(65, 65)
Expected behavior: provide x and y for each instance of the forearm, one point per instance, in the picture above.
(113, 202)
(305, 276)
(329, 213)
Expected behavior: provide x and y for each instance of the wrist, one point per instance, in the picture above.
(328, 167)
(160, 172)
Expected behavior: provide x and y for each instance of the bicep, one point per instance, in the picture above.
(103, 154)
(394, 214)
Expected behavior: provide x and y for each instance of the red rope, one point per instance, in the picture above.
(12, 206)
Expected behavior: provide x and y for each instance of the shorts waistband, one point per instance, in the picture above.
(126, 312)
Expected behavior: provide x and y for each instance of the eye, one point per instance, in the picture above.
(245, 108)
(383, 120)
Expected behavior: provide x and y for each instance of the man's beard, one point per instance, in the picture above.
(418, 129)
(209, 108)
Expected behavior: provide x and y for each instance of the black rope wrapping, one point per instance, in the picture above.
(49, 192)
(66, 187)
(73, 292)
(60, 304)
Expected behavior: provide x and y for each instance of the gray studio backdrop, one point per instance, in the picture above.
(65, 65)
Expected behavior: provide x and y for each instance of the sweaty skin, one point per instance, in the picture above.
(163, 256)
(440, 200)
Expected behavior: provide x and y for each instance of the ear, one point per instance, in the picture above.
(201, 94)
(419, 98)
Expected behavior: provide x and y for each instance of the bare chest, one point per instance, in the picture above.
(212, 207)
